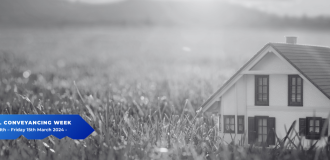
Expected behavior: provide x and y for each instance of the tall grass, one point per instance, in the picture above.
(138, 111)
(130, 122)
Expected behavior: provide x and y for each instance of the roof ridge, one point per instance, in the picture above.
(307, 45)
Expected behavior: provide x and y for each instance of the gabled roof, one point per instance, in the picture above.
(311, 61)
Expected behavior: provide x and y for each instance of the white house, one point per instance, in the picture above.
(282, 83)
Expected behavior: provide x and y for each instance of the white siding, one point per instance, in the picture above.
(234, 100)
(313, 97)
(271, 62)
(229, 101)
(241, 96)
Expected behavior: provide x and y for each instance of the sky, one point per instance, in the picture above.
(309, 8)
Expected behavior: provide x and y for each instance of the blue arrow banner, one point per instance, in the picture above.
(42, 126)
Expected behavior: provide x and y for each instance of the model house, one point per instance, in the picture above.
(282, 83)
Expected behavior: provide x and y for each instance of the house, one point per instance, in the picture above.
(282, 83)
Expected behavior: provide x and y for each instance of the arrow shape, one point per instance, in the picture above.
(42, 126)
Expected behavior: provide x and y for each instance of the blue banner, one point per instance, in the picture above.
(42, 126)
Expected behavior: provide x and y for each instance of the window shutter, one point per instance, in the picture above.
(271, 131)
(242, 124)
(326, 128)
(308, 136)
(302, 126)
(251, 130)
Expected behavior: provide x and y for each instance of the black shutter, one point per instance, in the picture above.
(242, 124)
(326, 127)
(308, 135)
(302, 126)
(271, 131)
(251, 130)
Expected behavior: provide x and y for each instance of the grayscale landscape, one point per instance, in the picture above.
(137, 71)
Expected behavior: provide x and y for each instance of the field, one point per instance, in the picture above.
(138, 88)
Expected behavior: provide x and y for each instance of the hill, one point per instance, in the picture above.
(138, 13)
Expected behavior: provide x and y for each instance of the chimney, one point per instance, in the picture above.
(291, 40)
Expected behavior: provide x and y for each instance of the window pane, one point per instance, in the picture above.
(260, 97)
(232, 120)
(227, 121)
(265, 81)
(299, 81)
(293, 89)
(317, 122)
(293, 98)
(260, 89)
(240, 121)
(260, 81)
(232, 127)
(293, 81)
(240, 128)
(311, 122)
(264, 131)
(264, 89)
(264, 122)
(317, 129)
(311, 129)
(264, 138)
(264, 97)
(298, 98)
(259, 122)
(298, 89)
(260, 138)
(260, 130)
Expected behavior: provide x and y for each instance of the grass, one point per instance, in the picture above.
(142, 106)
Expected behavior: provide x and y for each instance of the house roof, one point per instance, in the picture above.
(311, 61)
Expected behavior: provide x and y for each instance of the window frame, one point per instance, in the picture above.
(313, 135)
(257, 102)
(224, 123)
(290, 102)
(257, 130)
(252, 131)
(243, 124)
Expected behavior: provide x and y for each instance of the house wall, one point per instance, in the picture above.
(285, 117)
(240, 100)
(235, 101)
(271, 62)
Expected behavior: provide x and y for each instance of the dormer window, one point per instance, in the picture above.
(261, 90)
(295, 90)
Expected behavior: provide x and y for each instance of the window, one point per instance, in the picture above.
(229, 125)
(295, 90)
(311, 127)
(261, 130)
(240, 124)
(261, 90)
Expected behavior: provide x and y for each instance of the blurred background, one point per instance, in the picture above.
(147, 50)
